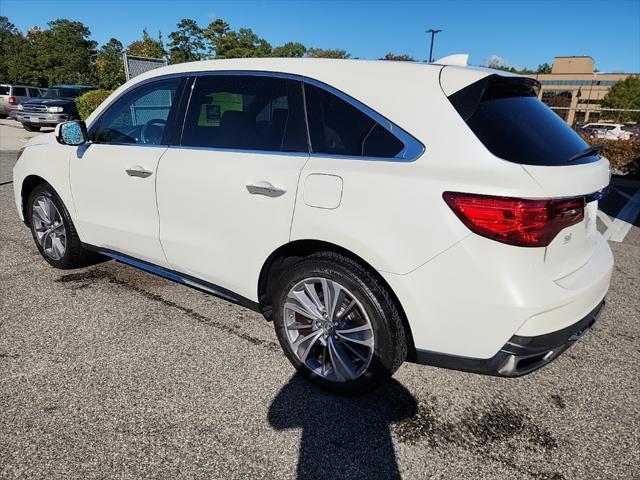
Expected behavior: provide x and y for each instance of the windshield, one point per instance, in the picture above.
(62, 92)
(507, 117)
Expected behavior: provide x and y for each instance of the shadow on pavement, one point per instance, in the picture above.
(342, 437)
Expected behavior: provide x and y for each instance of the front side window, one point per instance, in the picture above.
(139, 116)
(20, 91)
(339, 128)
(248, 112)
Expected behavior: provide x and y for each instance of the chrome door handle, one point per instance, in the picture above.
(138, 171)
(265, 188)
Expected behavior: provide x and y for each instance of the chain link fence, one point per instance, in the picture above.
(134, 66)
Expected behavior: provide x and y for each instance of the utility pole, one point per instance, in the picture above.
(433, 34)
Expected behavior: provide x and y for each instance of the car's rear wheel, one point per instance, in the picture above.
(53, 231)
(338, 325)
(31, 128)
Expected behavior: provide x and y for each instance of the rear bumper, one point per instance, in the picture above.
(520, 355)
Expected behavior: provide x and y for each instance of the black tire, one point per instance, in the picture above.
(31, 128)
(390, 346)
(3, 116)
(75, 256)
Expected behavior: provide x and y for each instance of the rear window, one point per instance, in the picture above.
(507, 117)
(4, 89)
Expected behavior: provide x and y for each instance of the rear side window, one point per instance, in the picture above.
(4, 89)
(339, 128)
(248, 112)
(507, 117)
(19, 91)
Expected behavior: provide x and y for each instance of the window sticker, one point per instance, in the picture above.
(218, 103)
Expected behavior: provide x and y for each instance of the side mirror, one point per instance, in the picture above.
(71, 133)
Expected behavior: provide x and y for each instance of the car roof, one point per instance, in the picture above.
(394, 89)
(16, 85)
(71, 86)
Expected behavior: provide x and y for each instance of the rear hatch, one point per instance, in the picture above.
(514, 125)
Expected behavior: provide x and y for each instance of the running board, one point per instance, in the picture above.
(178, 277)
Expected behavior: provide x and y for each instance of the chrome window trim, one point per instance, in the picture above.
(412, 150)
(240, 150)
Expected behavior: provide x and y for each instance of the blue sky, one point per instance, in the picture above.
(523, 33)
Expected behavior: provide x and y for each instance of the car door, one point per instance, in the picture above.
(113, 176)
(226, 194)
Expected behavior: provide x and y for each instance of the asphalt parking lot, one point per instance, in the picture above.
(109, 372)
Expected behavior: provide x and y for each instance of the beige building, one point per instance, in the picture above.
(576, 90)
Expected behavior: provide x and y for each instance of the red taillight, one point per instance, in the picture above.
(11, 100)
(515, 221)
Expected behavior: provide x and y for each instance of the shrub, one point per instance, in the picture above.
(88, 102)
(624, 155)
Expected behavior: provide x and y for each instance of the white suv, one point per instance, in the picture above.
(375, 211)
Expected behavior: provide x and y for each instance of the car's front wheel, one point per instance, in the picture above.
(53, 231)
(338, 325)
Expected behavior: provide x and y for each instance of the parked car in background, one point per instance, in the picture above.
(608, 131)
(13, 95)
(57, 105)
(633, 130)
(374, 211)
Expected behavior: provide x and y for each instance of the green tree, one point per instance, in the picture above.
(8, 34)
(187, 43)
(148, 47)
(64, 52)
(110, 65)
(398, 58)
(624, 94)
(7, 29)
(544, 68)
(226, 43)
(289, 49)
(322, 53)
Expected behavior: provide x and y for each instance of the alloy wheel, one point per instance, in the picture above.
(328, 329)
(49, 227)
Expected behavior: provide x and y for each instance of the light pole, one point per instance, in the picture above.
(433, 34)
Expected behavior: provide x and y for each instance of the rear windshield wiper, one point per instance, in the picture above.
(587, 152)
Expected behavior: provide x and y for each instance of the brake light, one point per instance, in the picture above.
(515, 221)
(11, 100)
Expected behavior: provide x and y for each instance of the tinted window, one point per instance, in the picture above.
(34, 92)
(337, 127)
(64, 92)
(19, 91)
(507, 117)
(246, 112)
(4, 89)
(139, 116)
